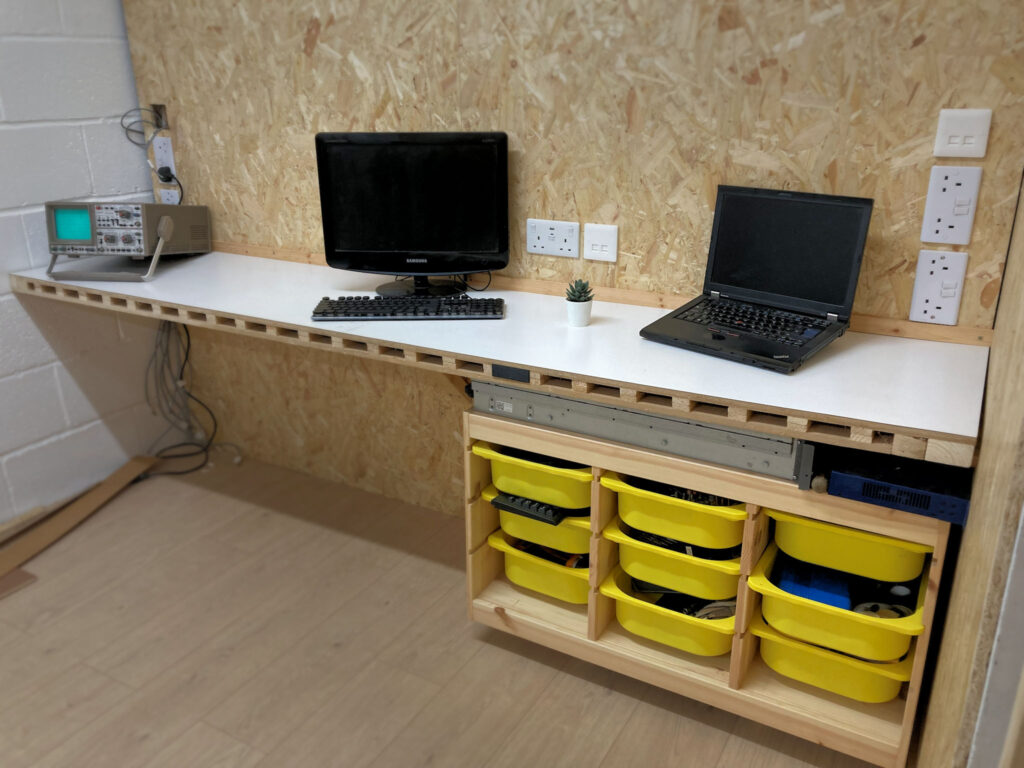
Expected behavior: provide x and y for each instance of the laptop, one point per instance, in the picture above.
(781, 275)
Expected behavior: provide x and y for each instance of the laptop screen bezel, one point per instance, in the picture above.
(842, 311)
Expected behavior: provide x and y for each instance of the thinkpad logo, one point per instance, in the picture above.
(781, 357)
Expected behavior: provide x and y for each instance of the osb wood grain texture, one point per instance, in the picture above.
(384, 428)
(619, 112)
(997, 496)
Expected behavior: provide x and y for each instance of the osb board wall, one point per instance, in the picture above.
(385, 428)
(625, 111)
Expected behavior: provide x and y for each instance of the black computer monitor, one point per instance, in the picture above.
(414, 204)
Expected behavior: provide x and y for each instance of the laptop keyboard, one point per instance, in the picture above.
(770, 323)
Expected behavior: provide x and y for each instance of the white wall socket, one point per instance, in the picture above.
(169, 196)
(938, 287)
(600, 242)
(949, 209)
(962, 132)
(553, 238)
(163, 154)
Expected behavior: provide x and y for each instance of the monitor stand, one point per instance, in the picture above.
(420, 286)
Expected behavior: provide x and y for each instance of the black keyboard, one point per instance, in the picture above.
(461, 307)
(777, 324)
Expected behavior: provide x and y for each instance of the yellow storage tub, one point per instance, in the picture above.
(698, 524)
(845, 549)
(709, 579)
(867, 681)
(571, 535)
(869, 637)
(559, 486)
(540, 575)
(704, 637)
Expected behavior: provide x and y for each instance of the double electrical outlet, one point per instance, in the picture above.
(562, 238)
(949, 216)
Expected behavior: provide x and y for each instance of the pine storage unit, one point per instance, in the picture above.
(738, 680)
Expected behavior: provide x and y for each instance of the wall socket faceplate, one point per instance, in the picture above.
(600, 242)
(962, 132)
(952, 200)
(553, 238)
(938, 287)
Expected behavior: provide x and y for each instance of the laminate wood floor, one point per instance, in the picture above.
(253, 616)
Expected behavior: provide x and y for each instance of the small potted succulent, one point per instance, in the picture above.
(579, 299)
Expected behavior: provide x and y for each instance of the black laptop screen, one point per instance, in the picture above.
(802, 246)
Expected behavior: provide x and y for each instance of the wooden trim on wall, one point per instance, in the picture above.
(883, 326)
(989, 536)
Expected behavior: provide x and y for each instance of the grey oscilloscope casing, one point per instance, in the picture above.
(130, 229)
(781, 457)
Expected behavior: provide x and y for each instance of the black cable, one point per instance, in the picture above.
(1009, 247)
(463, 281)
(181, 190)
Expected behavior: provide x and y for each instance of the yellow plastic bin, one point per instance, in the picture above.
(867, 681)
(704, 637)
(709, 579)
(571, 535)
(698, 524)
(869, 637)
(540, 575)
(560, 486)
(846, 549)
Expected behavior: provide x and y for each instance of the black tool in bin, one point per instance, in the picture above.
(536, 510)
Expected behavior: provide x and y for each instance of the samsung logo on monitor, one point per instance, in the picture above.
(415, 261)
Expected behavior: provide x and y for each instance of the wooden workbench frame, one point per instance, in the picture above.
(880, 438)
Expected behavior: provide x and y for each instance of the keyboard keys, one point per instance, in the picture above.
(461, 307)
(779, 325)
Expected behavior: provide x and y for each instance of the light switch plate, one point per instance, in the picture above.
(600, 242)
(553, 238)
(951, 203)
(962, 132)
(938, 287)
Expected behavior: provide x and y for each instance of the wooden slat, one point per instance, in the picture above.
(755, 539)
(744, 648)
(934, 576)
(748, 603)
(833, 430)
(14, 580)
(38, 538)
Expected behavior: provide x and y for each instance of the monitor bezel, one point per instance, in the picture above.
(842, 310)
(398, 262)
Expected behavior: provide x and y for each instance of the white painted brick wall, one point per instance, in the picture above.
(30, 17)
(33, 404)
(62, 78)
(71, 377)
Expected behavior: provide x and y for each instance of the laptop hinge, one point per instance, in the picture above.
(716, 294)
(832, 317)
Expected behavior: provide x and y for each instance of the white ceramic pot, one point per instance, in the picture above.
(579, 312)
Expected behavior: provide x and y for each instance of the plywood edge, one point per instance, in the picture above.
(957, 450)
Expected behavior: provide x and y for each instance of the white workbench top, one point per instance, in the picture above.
(908, 383)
